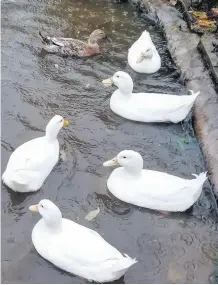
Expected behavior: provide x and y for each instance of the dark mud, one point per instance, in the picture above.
(179, 249)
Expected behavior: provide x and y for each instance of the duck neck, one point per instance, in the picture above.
(51, 134)
(91, 51)
(92, 40)
(54, 225)
(134, 170)
(126, 88)
(125, 94)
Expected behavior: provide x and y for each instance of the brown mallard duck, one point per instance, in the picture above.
(73, 47)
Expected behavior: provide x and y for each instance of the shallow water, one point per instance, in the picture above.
(181, 248)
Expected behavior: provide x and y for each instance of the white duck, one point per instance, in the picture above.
(147, 107)
(143, 56)
(75, 248)
(151, 189)
(30, 164)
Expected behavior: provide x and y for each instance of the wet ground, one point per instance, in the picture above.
(181, 248)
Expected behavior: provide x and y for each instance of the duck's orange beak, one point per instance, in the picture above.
(108, 82)
(111, 162)
(34, 208)
(66, 123)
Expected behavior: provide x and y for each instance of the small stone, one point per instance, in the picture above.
(63, 155)
(173, 2)
(92, 214)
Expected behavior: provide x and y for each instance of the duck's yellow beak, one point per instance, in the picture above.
(111, 162)
(108, 82)
(140, 58)
(66, 123)
(34, 208)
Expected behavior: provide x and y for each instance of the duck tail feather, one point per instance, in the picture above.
(129, 261)
(44, 38)
(192, 93)
(201, 178)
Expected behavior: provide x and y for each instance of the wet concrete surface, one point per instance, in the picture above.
(181, 248)
(206, 47)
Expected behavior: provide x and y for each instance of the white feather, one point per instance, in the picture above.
(79, 250)
(153, 189)
(148, 107)
(149, 65)
(31, 163)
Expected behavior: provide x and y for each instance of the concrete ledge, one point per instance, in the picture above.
(183, 48)
(205, 46)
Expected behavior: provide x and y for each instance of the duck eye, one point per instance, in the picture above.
(124, 157)
(61, 120)
(42, 206)
(118, 76)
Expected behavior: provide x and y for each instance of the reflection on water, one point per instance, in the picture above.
(181, 248)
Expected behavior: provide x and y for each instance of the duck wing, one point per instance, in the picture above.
(155, 185)
(75, 48)
(66, 42)
(85, 246)
(30, 155)
(165, 187)
(59, 41)
(155, 103)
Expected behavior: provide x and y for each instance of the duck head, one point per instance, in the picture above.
(122, 80)
(97, 35)
(54, 126)
(147, 54)
(49, 212)
(131, 160)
